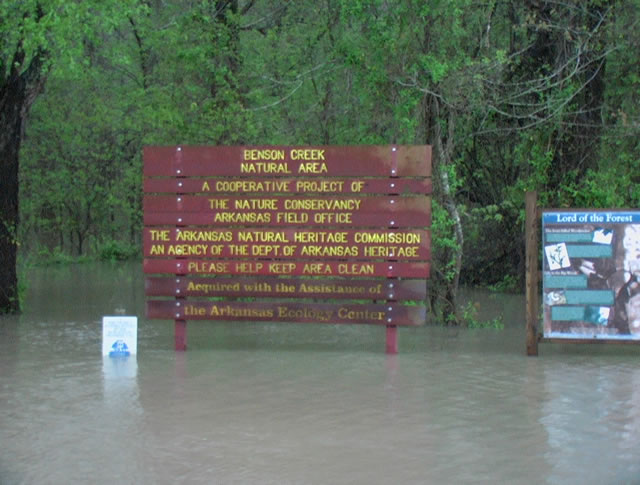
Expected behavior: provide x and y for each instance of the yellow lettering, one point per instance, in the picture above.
(333, 218)
(219, 204)
(408, 252)
(207, 236)
(387, 237)
(256, 204)
(292, 217)
(270, 186)
(262, 237)
(356, 268)
(320, 237)
(242, 217)
(312, 167)
(328, 186)
(265, 167)
(363, 315)
(267, 154)
(306, 154)
(187, 250)
(156, 250)
(249, 268)
(159, 235)
(316, 268)
(206, 267)
(282, 268)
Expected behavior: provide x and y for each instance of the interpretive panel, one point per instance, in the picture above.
(591, 278)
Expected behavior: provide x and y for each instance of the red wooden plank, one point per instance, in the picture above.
(288, 211)
(414, 218)
(248, 204)
(353, 244)
(272, 186)
(269, 161)
(264, 287)
(287, 268)
(381, 314)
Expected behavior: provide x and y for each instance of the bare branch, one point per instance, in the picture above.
(252, 25)
(279, 101)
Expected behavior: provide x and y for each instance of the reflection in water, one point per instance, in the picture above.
(120, 381)
(121, 420)
(592, 416)
(630, 434)
(275, 403)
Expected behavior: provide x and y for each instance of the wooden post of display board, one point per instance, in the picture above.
(288, 234)
(531, 268)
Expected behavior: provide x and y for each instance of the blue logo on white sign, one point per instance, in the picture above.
(119, 347)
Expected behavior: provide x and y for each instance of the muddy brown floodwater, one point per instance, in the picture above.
(302, 404)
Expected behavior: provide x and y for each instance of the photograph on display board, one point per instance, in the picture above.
(591, 274)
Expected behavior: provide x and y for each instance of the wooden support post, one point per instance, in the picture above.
(392, 339)
(531, 268)
(180, 335)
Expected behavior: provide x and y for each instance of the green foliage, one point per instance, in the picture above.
(444, 242)
(502, 81)
(470, 318)
(43, 256)
(508, 284)
(117, 251)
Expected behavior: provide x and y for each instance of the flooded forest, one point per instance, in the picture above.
(512, 96)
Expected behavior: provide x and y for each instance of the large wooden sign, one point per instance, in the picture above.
(287, 234)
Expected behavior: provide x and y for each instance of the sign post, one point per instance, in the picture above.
(287, 234)
(531, 268)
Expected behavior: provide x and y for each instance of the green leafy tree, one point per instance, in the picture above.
(23, 66)
(33, 35)
(423, 54)
(512, 96)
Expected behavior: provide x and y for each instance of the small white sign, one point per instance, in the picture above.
(119, 335)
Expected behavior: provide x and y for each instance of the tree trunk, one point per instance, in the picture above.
(449, 257)
(18, 90)
(444, 155)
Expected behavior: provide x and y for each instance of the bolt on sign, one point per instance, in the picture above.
(591, 274)
(326, 234)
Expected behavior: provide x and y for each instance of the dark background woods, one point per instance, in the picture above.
(513, 96)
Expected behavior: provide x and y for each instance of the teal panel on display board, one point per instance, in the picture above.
(557, 237)
(565, 281)
(589, 250)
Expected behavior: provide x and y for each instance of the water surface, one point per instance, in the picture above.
(302, 404)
